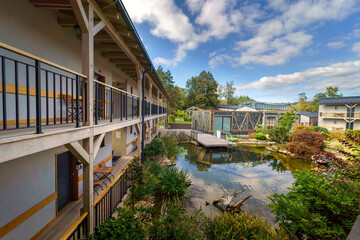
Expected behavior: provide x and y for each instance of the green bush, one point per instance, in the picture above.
(279, 134)
(172, 147)
(171, 118)
(320, 129)
(242, 226)
(318, 206)
(187, 119)
(260, 136)
(173, 183)
(154, 149)
(128, 225)
(260, 129)
(176, 224)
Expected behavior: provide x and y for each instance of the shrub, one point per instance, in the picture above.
(318, 206)
(173, 183)
(128, 225)
(252, 134)
(171, 118)
(279, 134)
(260, 129)
(305, 144)
(288, 119)
(187, 119)
(314, 139)
(320, 129)
(242, 226)
(172, 147)
(336, 135)
(260, 136)
(176, 224)
(154, 149)
(303, 127)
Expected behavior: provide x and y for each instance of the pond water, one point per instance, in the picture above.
(219, 172)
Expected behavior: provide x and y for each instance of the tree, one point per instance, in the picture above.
(244, 98)
(288, 119)
(330, 92)
(202, 91)
(227, 93)
(303, 103)
(176, 94)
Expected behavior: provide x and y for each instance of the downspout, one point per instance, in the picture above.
(143, 114)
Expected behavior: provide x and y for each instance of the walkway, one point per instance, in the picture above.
(210, 141)
(66, 219)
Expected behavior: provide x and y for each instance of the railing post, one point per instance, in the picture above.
(3, 74)
(96, 103)
(38, 96)
(111, 104)
(77, 102)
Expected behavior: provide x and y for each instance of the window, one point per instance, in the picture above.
(334, 122)
(336, 108)
(320, 114)
(130, 129)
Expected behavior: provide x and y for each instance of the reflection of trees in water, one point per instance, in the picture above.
(277, 165)
(203, 158)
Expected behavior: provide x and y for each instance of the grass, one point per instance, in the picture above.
(181, 120)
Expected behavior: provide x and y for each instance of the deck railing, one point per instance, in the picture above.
(339, 115)
(37, 93)
(78, 230)
(112, 103)
(108, 200)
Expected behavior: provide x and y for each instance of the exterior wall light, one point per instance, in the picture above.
(78, 165)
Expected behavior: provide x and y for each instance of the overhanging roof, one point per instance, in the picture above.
(340, 100)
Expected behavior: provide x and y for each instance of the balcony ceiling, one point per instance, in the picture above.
(102, 40)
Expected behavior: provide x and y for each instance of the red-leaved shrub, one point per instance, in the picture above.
(304, 143)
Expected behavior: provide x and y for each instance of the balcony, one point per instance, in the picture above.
(340, 115)
(38, 96)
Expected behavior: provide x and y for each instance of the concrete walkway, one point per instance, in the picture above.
(72, 213)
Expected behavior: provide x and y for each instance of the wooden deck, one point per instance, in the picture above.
(72, 213)
(210, 141)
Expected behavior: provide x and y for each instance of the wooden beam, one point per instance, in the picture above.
(80, 15)
(110, 29)
(97, 143)
(101, 46)
(52, 4)
(98, 27)
(67, 22)
(78, 151)
(121, 60)
(115, 54)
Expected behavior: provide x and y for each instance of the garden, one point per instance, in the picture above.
(322, 202)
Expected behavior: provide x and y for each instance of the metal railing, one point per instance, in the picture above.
(112, 103)
(37, 93)
(107, 202)
(78, 230)
(340, 115)
(154, 109)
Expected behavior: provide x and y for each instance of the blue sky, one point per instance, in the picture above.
(272, 50)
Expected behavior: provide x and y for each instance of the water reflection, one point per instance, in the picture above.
(215, 173)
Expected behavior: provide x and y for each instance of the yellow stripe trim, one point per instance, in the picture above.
(26, 215)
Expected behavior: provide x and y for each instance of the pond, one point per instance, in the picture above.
(218, 172)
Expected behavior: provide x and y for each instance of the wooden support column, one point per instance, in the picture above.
(88, 64)
(138, 126)
(88, 184)
(150, 93)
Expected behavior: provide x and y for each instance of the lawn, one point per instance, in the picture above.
(181, 120)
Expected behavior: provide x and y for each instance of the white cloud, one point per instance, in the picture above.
(345, 75)
(214, 20)
(284, 36)
(336, 45)
(277, 31)
(356, 48)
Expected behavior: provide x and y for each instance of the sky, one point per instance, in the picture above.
(272, 50)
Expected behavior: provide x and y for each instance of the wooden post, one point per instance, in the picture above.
(88, 187)
(139, 133)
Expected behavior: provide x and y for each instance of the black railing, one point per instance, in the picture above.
(78, 230)
(37, 93)
(112, 103)
(154, 109)
(108, 201)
